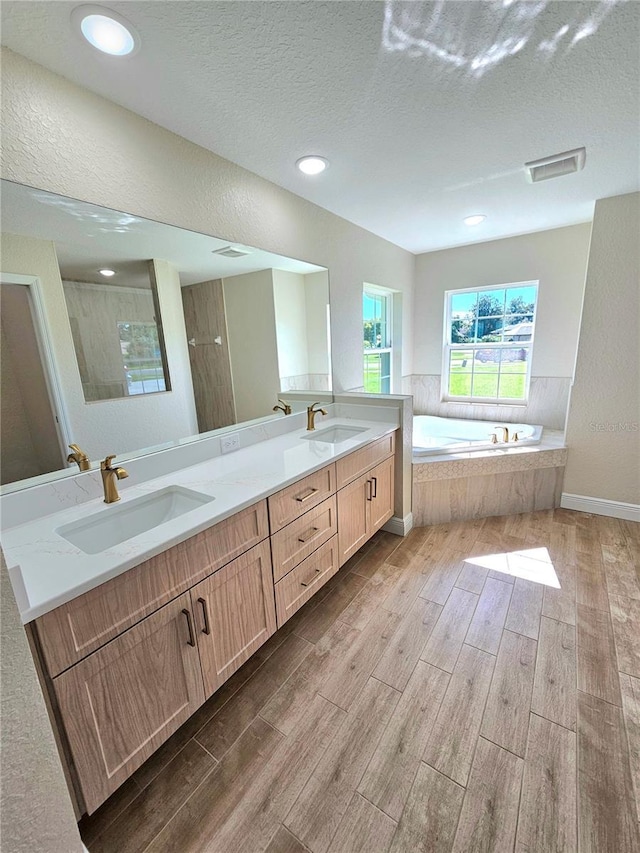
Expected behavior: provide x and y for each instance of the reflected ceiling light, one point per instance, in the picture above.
(476, 219)
(107, 273)
(107, 31)
(312, 165)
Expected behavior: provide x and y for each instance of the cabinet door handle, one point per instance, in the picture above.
(375, 487)
(310, 536)
(191, 641)
(313, 580)
(306, 497)
(205, 616)
(369, 491)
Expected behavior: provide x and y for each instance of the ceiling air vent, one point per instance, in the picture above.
(556, 166)
(230, 252)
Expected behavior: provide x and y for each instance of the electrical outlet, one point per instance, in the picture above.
(230, 442)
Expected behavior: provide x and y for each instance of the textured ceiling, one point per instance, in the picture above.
(427, 115)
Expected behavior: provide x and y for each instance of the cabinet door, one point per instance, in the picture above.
(353, 517)
(381, 505)
(235, 614)
(120, 703)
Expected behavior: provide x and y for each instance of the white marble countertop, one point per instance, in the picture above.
(46, 570)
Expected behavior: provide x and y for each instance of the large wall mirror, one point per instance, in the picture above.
(123, 335)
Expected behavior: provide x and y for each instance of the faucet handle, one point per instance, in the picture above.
(106, 463)
(79, 457)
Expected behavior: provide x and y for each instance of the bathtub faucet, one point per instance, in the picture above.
(505, 437)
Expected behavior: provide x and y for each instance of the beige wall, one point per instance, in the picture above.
(253, 352)
(37, 814)
(556, 258)
(30, 443)
(97, 151)
(110, 426)
(291, 322)
(604, 414)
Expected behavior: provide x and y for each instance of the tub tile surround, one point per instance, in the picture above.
(46, 570)
(548, 402)
(481, 483)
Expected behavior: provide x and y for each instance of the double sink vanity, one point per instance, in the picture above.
(139, 611)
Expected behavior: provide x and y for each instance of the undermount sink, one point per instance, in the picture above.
(335, 434)
(114, 525)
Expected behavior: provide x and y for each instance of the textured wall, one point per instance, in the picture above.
(556, 258)
(604, 411)
(37, 814)
(62, 138)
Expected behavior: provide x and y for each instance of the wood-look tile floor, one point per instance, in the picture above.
(472, 687)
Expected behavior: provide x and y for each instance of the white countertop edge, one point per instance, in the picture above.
(34, 550)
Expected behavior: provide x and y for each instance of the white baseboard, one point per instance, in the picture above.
(600, 506)
(399, 526)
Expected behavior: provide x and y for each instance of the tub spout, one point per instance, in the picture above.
(505, 436)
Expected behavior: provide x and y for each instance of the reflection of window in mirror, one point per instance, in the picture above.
(116, 335)
(381, 316)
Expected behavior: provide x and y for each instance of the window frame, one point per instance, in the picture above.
(377, 292)
(448, 347)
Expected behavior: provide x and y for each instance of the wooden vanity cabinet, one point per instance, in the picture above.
(234, 615)
(363, 507)
(123, 701)
(129, 661)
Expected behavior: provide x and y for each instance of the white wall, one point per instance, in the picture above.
(318, 343)
(109, 426)
(96, 151)
(253, 352)
(603, 426)
(37, 814)
(558, 260)
(290, 304)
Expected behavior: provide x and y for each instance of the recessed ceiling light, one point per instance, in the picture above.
(107, 273)
(312, 165)
(476, 219)
(107, 31)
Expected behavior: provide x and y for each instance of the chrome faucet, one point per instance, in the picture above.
(79, 457)
(506, 433)
(110, 477)
(285, 408)
(311, 415)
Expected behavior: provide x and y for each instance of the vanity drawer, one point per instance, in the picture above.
(356, 463)
(295, 500)
(303, 536)
(74, 630)
(305, 580)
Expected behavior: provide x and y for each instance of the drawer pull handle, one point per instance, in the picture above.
(375, 487)
(191, 641)
(310, 536)
(306, 497)
(313, 580)
(205, 616)
(369, 491)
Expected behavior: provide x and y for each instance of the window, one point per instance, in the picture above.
(377, 323)
(141, 357)
(488, 343)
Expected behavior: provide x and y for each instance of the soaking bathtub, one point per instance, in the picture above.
(433, 435)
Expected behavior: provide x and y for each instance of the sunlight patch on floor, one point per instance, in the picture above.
(532, 564)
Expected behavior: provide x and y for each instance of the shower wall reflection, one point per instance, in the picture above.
(116, 339)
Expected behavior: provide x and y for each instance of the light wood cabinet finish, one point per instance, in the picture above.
(302, 537)
(234, 614)
(74, 630)
(290, 503)
(356, 463)
(123, 701)
(305, 580)
(364, 506)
